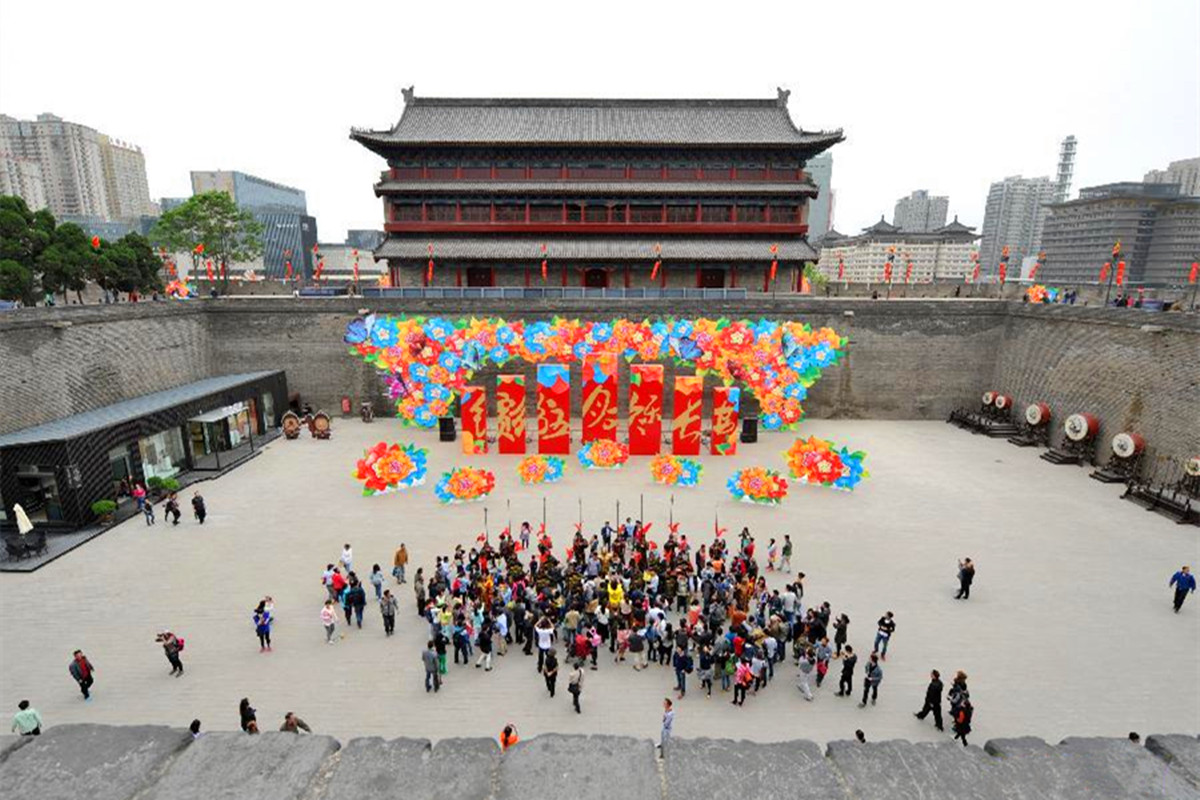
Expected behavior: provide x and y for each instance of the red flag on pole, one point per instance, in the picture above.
(1120, 273)
(544, 268)
(1195, 273)
(1104, 271)
(429, 269)
(1003, 272)
(288, 275)
(774, 261)
(208, 266)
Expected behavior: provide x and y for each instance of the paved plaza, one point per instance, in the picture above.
(1069, 629)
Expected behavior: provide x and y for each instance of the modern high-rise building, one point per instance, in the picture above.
(364, 238)
(289, 233)
(1159, 232)
(72, 169)
(820, 208)
(1015, 213)
(920, 213)
(1066, 170)
(1186, 173)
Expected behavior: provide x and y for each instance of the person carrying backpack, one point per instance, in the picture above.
(172, 646)
(962, 721)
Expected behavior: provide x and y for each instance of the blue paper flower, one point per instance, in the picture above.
(424, 417)
(602, 332)
(772, 422)
(438, 329)
(383, 334)
(418, 372)
(499, 354)
(823, 355)
(682, 328)
(795, 391)
(449, 361)
(581, 350)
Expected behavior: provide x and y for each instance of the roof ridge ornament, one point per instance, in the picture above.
(782, 96)
(408, 94)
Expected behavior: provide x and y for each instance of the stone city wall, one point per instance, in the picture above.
(911, 359)
(159, 763)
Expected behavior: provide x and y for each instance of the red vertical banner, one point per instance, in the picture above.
(685, 429)
(645, 409)
(554, 409)
(473, 408)
(599, 411)
(510, 414)
(726, 403)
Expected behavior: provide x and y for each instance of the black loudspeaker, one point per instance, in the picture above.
(750, 430)
(446, 429)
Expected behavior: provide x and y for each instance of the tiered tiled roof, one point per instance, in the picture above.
(608, 247)
(582, 187)
(467, 121)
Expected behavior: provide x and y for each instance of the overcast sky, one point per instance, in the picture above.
(940, 96)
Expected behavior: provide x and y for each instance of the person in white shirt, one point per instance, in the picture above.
(347, 557)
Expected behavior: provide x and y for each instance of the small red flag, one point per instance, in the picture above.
(1120, 273)
(481, 538)
(320, 269)
(774, 269)
(1195, 273)
(288, 276)
(654, 271)
(208, 266)
(1104, 271)
(543, 270)
(96, 242)
(674, 526)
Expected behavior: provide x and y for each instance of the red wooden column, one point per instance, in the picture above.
(726, 402)
(685, 429)
(645, 409)
(554, 409)
(510, 414)
(473, 407)
(599, 410)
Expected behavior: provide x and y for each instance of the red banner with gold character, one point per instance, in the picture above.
(726, 402)
(510, 414)
(645, 409)
(474, 420)
(554, 409)
(599, 410)
(685, 430)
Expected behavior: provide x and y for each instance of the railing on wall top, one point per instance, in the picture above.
(554, 293)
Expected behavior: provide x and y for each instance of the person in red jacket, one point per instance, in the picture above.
(81, 670)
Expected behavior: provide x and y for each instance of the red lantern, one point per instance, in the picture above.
(887, 272)
(1003, 272)
(1120, 273)
(96, 242)
(544, 264)
(1195, 272)
(841, 268)
(1104, 271)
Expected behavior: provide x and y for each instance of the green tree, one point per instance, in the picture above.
(212, 219)
(816, 278)
(23, 234)
(66, 264)
(16, 282)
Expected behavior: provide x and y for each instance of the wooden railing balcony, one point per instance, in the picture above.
(572, 172)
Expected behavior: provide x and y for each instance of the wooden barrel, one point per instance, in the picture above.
(989, 398)
(1081, 427)
(1002, 401)
(1192, 466)
(1128, 445)
(1037, 414)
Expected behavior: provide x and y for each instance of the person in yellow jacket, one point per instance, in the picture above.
(399, 561)
(616, 594)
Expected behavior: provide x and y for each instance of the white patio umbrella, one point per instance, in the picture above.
(24, 526)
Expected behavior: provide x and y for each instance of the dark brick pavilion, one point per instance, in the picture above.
(600, 190)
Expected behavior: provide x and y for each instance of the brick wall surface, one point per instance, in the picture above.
(55, 362)
(1142, 377)
(909, 359)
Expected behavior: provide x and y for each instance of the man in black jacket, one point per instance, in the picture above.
(966, 574)
(933, 700)
(846, 682)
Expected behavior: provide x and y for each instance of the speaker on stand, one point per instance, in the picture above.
(749, 430)
(446, 430)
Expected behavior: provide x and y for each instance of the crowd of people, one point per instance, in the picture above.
(704, 615)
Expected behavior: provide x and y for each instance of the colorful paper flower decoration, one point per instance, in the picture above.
(757, 485)
(671, 470)
(464, 484)
(819, 461)
(385, 468)
(428, 361)
(603, 454)
(179, 290)
(541, 469)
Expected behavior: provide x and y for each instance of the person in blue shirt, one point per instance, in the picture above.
(1183, 581)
